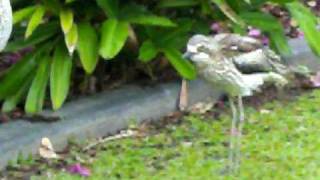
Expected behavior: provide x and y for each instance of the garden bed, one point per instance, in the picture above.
(109, 112)
(280, 142)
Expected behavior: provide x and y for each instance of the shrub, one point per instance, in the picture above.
(64, 32)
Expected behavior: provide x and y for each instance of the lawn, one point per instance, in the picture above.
(281, 141)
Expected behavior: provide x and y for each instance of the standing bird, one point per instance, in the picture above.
(5, 22)
(238, 66)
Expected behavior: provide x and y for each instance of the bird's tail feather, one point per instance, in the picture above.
(255, 81)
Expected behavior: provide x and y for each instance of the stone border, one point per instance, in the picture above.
(111, 111)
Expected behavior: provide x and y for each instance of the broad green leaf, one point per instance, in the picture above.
(147, 51)
(279, 42)
(261, 20)
(71, 39)
(88, 47)
(226, 9)
(308, 23)
(22, 14)
(272, 27)
(138, 14)
(60, 76)
(151, 20)
(11, 102)
(37, 91)
(52, 5)
(177, 3)
(110, 7)
(183, 66)
(42, 33)
(16, 75)
(35, 20)
(114, 34)
(66, 20)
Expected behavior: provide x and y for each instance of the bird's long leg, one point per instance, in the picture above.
(239, 134)
(233, 134)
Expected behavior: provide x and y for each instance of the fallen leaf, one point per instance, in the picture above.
(201, 107)
(315, 80)
(46, 150)
(78, 169)
(265, 111)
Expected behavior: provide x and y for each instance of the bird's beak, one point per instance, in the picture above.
(187, 55)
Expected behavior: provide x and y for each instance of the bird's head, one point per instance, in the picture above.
(200, 48)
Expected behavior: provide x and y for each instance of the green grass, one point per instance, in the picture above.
(282, 144)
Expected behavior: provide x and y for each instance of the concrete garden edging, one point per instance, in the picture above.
(108, 112)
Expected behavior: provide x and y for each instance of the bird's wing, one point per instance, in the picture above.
(237, 42)
(261, 60)
(224, 75)
(5, 22)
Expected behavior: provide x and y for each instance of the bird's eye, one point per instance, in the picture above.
(201, 48)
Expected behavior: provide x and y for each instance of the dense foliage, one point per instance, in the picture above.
(62, 33)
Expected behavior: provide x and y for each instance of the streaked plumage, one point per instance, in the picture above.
(5, 22)
(239, 66)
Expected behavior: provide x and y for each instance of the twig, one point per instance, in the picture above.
(123, 134)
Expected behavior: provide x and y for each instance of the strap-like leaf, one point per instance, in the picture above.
(60, 76)
(147, 51)
(151, 20)
(110, 7)
(35, 20)
(66, 20)
(11, 102)
(113, 38)
(177, 3)
(184, 67)
(42, 33)
(22, 14)
(272, 27)
(37, 91)
(71, 39)
(88, 46)
(308, 23)
(16, 75)
(226, 9)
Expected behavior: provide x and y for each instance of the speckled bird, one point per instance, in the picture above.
(239, 66)
(5, 22)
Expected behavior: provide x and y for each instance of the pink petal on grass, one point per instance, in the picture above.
(315, 80)
(254, 32)
(78, 169)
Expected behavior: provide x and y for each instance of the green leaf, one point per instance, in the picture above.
(37, 91)
(71, 39)
(66, 20)
(177, 3)
(88, 46)
(42, 33)
(35, 20)
(138, 14)
(147, 51)
(151, 20)
(60, 76)
(11, 102)
(272, 27)
(110, 7)
(52, 5)
(16, 75)
(22, 14)
(113, 38)
(229, 12)
(308, 23)
(183, 66)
